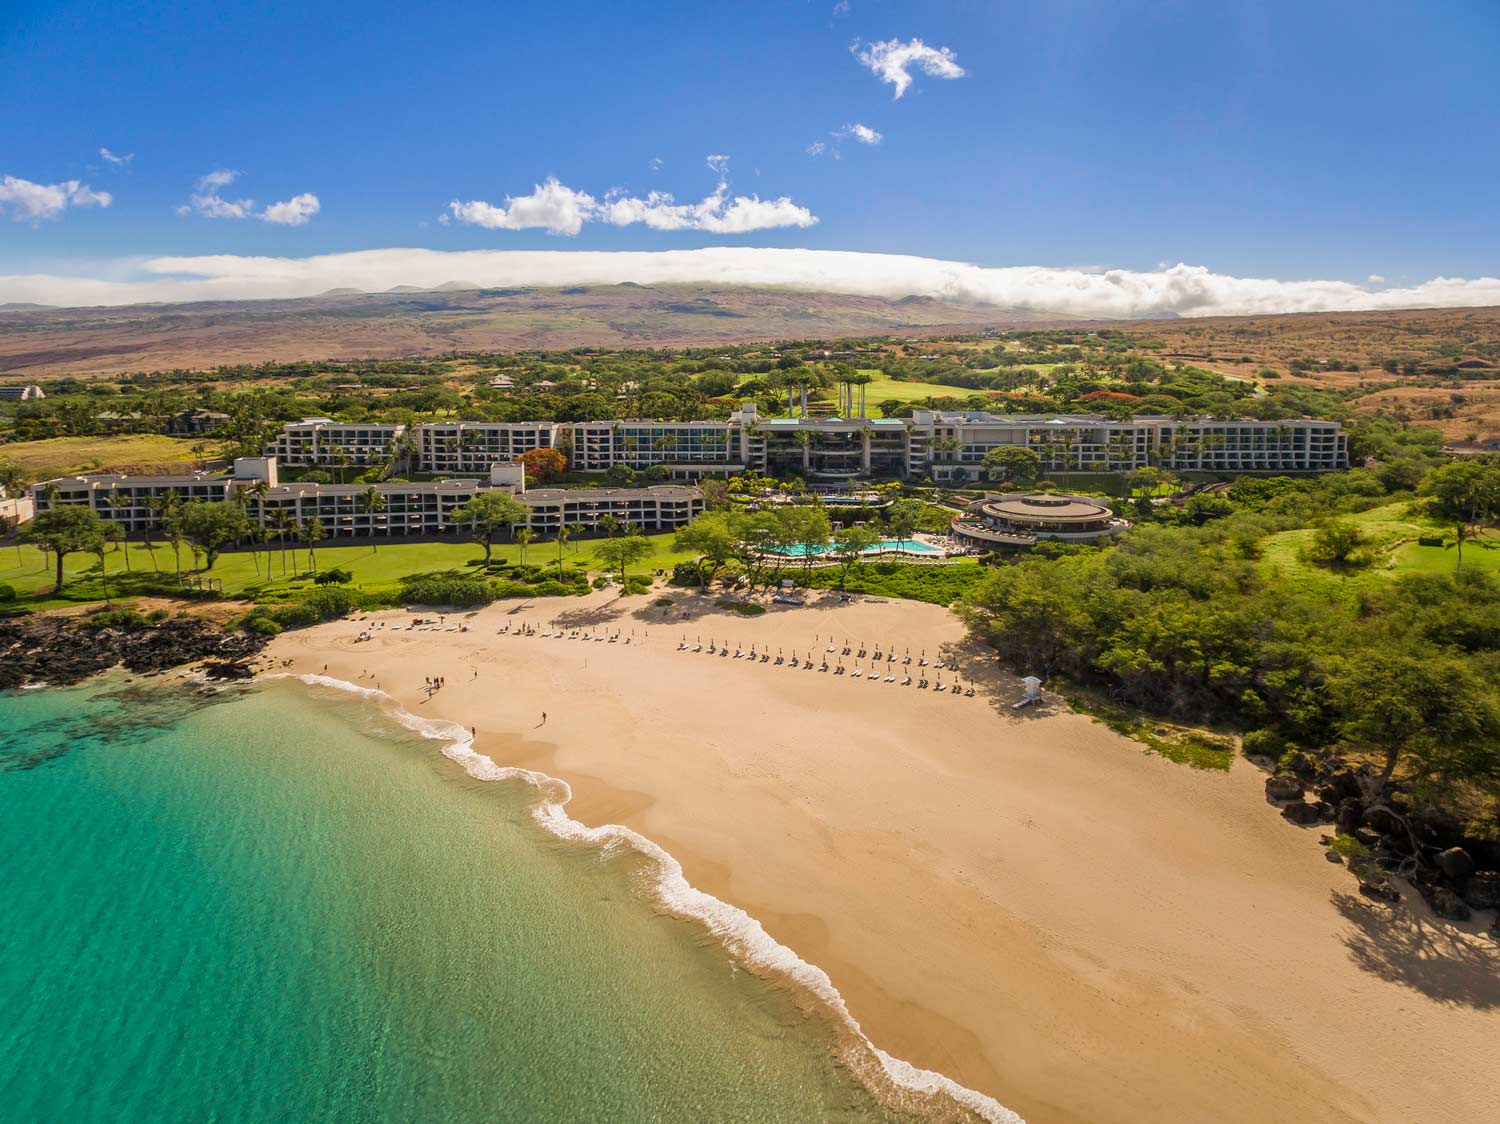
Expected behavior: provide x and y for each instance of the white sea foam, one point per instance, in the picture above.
(742, 935)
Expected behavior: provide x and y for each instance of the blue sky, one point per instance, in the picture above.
(1321, 139)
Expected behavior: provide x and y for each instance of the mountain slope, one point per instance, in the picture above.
(95, 341)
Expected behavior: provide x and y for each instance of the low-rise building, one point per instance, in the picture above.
(20, 393)
(195, 423)
(390, 509)
(325, 443)
(1020, 519)
(475, 446)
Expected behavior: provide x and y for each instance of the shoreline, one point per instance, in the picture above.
(893, 1081)
(922, 895)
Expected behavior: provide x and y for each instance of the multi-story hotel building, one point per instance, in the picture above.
(406, 509)
(948, 446)
(475, 446)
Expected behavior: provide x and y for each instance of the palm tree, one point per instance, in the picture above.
(311, 530)
(372, 501)
(562, 537)
(118, 503)
(172, 527)
(112, 533)
(155, 506)
(523, 540)
(1463, 531)
(260, 490)
(282, 521)
(608, 524)
(575, 529)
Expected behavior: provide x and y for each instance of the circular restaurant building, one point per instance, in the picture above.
(1020, 519)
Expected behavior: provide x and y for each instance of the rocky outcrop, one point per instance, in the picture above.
(1394, 838)
(60, 650)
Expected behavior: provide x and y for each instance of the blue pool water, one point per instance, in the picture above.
(885, 546)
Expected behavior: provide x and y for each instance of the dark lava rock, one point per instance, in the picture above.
(1349, 813)
(1483, 890)
(57, 650)
(1456, 864)
(1300, 812)
(1380, 888)
(1283, 786)
(1447, 905)
(1326, 811)
(1302, 764)
(1333, 857)
(1383, 821)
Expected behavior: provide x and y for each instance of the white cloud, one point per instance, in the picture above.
(817, 148)
(892, 61)
(559, 209)
(841, 8)
(1115, 293)
(1375, 279)
(117, 161)
(551, 206)
(294, 211)
(32, 202)
(208, 202)
(862, 133)
(655, 163)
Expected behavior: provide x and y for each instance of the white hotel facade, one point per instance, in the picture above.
(408, 509)
(947, 446)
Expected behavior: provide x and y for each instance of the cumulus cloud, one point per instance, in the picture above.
(117, 161)
(33, 202)
(817, 148)
(1186, 290)
(559, 209)
(892, 61)
(551, 206)
(208, 201)
(294, 211)
(1375, 279)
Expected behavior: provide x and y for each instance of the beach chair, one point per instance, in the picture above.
(906, 681)
(890, 678)
(856, 673)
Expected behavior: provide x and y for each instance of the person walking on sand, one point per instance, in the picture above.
(543, 722)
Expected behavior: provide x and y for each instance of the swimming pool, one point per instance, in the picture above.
(885, 546)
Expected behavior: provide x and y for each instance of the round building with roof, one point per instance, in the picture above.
(1021, 518)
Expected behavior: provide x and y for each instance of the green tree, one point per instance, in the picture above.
(711, 536)
(1338, 542)
(523, 539)
(619, 553)
(210, 527)
(68, 529)
(1013, 462)
(487, 514)
(849, 546)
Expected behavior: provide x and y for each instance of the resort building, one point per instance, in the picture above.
(686, 448)
(948, 446)
(20, 393)
(404, 509)
(1020, 519)
(474, 446)
(324, 443)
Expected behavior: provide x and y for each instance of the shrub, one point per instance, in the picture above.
(7, 592)
(743, 608)
(334, 577)
(1423, 540)
(330, 602)
(512, 589)
(156, 616)
(600, 582)
(127, 620)
(1264, 743)
(554, 588)
(685, 573)
(260, 626)
(637, 584)
(464, 592)
(297, 614)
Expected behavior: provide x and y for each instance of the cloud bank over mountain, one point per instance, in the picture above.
(1185, 290)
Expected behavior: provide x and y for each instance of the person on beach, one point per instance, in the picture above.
(543, 722)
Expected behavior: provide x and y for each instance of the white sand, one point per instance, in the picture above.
(1028, 903)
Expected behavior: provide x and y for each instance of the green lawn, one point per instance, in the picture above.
(244, 575)
(884, 388)
(1394, 532)
(68, 456)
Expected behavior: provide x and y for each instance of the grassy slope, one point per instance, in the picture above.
(66, 456)
(372, 569)
(1395, 532)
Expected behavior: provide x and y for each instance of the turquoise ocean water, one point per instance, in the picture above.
(272, 905)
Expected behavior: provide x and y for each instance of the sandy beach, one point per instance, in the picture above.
(1025, 902)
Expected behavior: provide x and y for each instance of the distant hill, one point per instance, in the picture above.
(410, 321)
